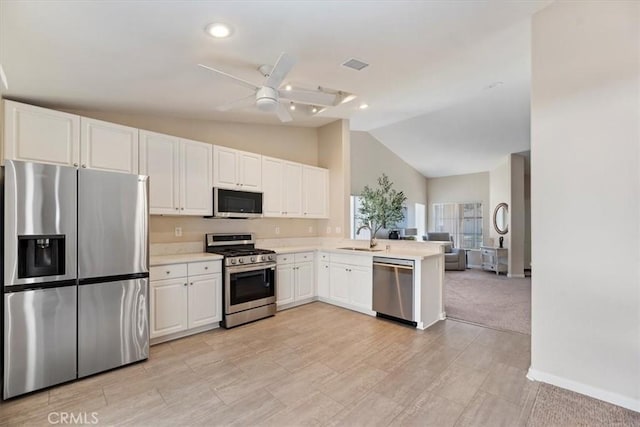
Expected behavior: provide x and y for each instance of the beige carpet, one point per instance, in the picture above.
(558, 407)
(484, 298)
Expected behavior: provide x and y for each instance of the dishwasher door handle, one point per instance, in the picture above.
(406, 267)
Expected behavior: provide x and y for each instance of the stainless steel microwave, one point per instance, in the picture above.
(236, 204)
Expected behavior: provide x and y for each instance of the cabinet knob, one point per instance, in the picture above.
(75, 164)
(206, 268)
(168, 272)
(84, 166)
(176, 208)
(181, 209)
(184, 284)
(191, 283)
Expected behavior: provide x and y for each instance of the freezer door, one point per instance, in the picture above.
(40, 207)
(113, 221)
(39, 339)
(113, 325)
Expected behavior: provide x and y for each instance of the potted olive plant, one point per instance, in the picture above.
(380, 207)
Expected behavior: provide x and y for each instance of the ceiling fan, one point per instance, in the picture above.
(269, 96)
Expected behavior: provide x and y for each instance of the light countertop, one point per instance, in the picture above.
(180, 258)
(401, 253)
(393, 253)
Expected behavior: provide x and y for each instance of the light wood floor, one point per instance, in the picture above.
(312, 365)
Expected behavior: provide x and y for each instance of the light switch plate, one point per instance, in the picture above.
(178, 231)
(277, 230)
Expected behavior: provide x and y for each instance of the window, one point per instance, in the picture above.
(462, 220)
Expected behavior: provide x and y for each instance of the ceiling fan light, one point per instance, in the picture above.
(218, 30)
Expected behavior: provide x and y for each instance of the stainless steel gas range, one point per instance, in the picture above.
(249, 288)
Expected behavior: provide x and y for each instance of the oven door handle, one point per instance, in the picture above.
(251, 267)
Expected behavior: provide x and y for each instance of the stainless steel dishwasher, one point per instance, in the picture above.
(393, 289)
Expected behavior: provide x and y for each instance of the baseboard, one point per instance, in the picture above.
(516, 276)
(578, 387)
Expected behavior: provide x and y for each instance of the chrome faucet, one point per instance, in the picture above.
(371, 236)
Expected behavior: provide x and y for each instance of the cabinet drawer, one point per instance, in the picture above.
(160, 272)
(488, 252)
(285, 259)
(323, 256)
(206, 267)
(303, 257)
(364, 260)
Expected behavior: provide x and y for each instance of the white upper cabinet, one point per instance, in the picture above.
(196, 191)
(159, 158)
(35, 134)
(180, 174)
(108, 146)
(236, 170)
(272, 186)
(292, 189)
(315, 188)
(282, 188)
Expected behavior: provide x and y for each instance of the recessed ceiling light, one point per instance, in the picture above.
(218, 30)
(364, 106)
(314, 110)
(288, 88)
(292, 106)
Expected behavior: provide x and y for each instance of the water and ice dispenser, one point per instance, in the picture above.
(41, 255)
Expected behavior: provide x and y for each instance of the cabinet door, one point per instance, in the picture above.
(284, 284)
(108, 146)
(292, 189)
(339, 282)
(205, 300)
(361, 287)
(315, 183)
(304, 281)
(196, 188)
(159, 156)
(272, 182)
(225, 167)
(250, 168)
(35, 134)
(168, 306)
(323, 280)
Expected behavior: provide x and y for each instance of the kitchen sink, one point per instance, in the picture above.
(362, 249)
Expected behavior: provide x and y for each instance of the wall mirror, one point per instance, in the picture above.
(501, 218)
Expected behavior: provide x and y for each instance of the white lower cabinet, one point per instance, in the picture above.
(295, 279)
(322, 278)
(185, 297)
(347, 281)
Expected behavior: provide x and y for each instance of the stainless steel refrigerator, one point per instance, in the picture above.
(75, 274)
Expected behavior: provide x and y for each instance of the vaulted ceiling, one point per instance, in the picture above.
(447, 85)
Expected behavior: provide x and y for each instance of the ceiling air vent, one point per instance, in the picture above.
(355, 64)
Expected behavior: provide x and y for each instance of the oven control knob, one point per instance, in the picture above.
(233, 261)
(241, 260)
(271, 257)
(253, 259)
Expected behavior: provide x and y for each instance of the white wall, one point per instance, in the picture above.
(585, 185)
(499, 184)
(370, 159)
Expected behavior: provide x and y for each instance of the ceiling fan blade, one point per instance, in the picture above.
(280, 70)
(309, 97)
(283, 114)
(249, 101)
(229, 76)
